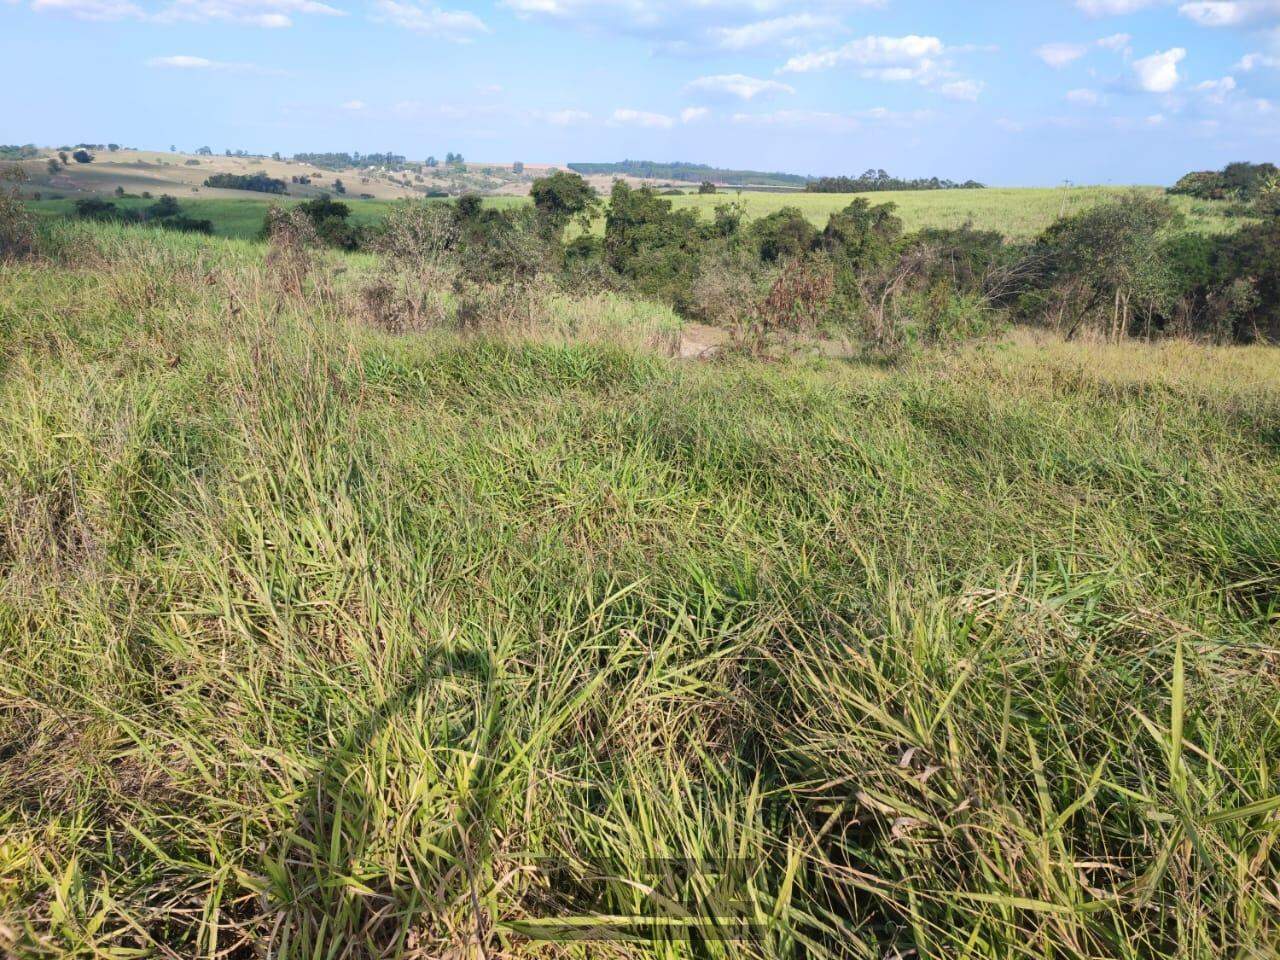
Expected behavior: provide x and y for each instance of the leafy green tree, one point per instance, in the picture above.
(82, 156)
(560, 199)
(706, 187)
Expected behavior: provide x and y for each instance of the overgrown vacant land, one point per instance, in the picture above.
(321, 639)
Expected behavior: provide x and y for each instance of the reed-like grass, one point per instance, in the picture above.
(317, 642)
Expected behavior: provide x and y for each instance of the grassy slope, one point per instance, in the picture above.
(1018, 213)
(314, 634)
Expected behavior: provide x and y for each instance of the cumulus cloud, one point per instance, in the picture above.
(457, 25)
(1059, 55)
(184, 62)
(736, 85)
(271, 14)
(1217, 91)
(1231, 13)
(787, 31)
(258, 13)
(1113, 8)
(1158, 73)
(624, 117)
(694, 114)
(968, 90)
(900, 53)
(92, 10)
(1256, 61)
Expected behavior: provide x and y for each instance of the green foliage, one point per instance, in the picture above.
(257, 182)
(783, 235)
(331, 220)
(877, 180)
(1105, 268)
(82, 156)
(560, 199)
(1236, 181)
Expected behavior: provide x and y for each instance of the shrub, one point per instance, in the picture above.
(1104, 269)
(785, 234)
(82, 156)
(290, 238)
(17, 227)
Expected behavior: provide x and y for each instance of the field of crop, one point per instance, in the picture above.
(317, 641)
(1019, 214)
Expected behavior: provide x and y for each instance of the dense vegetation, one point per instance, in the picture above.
(328, 632)
(874, 181)
(1236, 181)
(257, 182)
(689, 172)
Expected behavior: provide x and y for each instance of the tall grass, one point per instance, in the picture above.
(316, 642)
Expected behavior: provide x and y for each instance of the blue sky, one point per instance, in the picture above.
(1032, 92)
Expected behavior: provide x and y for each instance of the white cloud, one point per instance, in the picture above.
(1217, 91)
(1231, 13)
(909, 52)
(1158, 73)
(779, 30)
(271, 14)
(694, 114)
(354, 105)
(1254, 61)
(1059, 55)
(92, 10)
(962, 90)
(568, 118)
(458, 25)
(183, 62)
(1117, 42)
(639, 118)
(1113, 8)
(1084, 97)
(736, 85)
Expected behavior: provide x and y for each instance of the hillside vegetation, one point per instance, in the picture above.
(324, 637)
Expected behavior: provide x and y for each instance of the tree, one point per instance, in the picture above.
(338, 186)
(517, 167)
(173, 148)
(113, 147)
(54, 165)
(561, 198)
(82, 156)
(205, 152)
(1107, 266)
(706, 187)
(432, 162)
(62, 155)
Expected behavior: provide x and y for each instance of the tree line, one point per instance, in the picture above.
(877, 180)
